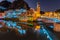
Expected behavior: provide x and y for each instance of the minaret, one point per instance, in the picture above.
(37, 14)
(38, 7)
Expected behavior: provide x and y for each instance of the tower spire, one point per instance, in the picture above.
(38, 6)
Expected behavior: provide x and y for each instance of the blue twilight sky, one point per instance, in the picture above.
(46, 5)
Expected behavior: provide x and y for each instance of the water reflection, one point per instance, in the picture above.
(31, 32)
(13, 25)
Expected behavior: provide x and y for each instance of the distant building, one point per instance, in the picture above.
(2, 14)
(32, 14)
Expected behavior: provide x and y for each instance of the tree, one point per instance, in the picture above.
(42, 12)
(57, 10)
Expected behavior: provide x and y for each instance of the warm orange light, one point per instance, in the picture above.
(37, 27)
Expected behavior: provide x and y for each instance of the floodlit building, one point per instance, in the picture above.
(32, 14)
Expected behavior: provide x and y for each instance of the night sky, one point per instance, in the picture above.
(46, 5)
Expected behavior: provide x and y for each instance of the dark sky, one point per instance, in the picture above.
(46, 5)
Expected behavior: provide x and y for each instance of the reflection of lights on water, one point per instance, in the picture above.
(37, 27)
(51, 26)
(42, 31)
(14, 24)
(18, 27)
(22, 31)
(11, 24)
(48, 36)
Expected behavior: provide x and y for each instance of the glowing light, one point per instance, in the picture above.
(13, 24)
(37, 28)
(8, 24)
(14, 13)
(19, 27)
(22, 31)
(46, 32)
(51, 26)
(22, 10)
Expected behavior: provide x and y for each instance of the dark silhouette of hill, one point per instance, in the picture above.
(17, 4)
(5, 4)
